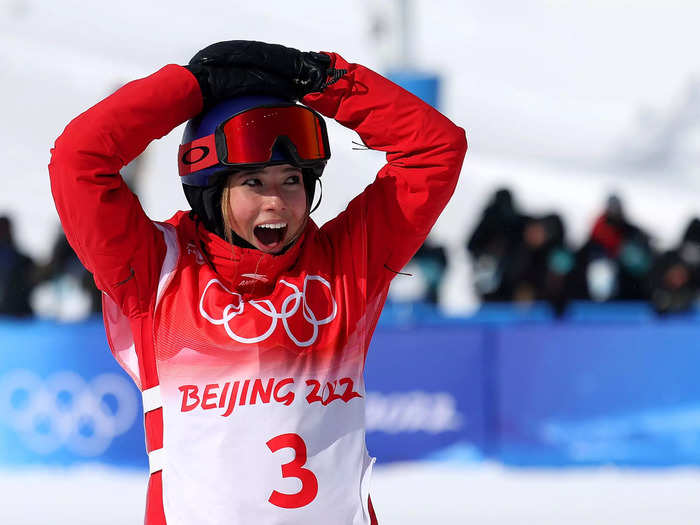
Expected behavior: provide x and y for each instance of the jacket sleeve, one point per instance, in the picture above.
(391, 218)
(102, 218)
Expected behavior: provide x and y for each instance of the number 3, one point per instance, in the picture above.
(294, 469)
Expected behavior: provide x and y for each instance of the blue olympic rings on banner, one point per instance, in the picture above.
(65, 410)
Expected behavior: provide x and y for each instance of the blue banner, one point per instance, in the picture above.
(64, 399)
(590, 394)
(426, 393)
(525, 393)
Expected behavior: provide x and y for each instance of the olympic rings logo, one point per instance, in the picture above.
(290, 306)
(65, 410)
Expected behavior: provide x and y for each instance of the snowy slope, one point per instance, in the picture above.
(407, 494)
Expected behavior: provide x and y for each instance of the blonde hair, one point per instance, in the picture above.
(226, 211)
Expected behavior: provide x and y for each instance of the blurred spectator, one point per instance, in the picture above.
(16, 274)
(539, 267)
(432, 262)
(493, 244)
(520, 258)
(616, 261)
(423, 276)
(676, 275)
(67, 291)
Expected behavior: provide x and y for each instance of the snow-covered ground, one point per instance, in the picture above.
(405, 494)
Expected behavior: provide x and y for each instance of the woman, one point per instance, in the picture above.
(243, 323)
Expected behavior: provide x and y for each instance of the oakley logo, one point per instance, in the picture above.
(201, 151)
(65, 410)
(295, 301)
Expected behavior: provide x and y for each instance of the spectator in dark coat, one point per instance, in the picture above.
(540, 266)
(675, 279)
(432, 261)
(616, 261)
(16, 274)
(493, 243)
(64, 264)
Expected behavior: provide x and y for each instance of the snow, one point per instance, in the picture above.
(403, 494)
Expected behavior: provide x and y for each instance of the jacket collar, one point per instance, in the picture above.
(248, 271)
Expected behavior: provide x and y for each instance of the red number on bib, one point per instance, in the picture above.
(294, 469)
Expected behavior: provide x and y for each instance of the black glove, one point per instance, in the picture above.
(243, 67)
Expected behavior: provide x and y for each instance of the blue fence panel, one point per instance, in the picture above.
(599, 393)
(426, 393)
(618, 312)
(64, 399)
(599, 390)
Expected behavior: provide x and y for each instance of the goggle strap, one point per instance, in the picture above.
(320, 184)
(197, 155)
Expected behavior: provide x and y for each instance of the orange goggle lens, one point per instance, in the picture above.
(251, 135)
(247, 139)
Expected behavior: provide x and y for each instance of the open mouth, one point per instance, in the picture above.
(271, 235)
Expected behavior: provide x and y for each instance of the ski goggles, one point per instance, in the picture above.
(247, 140)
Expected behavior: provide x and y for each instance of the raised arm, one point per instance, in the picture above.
(392, 217)
(102, 218)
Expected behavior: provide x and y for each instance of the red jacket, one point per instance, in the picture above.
(159, 278)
